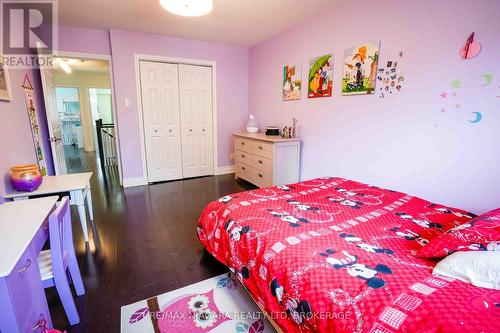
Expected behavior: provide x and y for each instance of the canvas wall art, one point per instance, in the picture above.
(5, 92)
(320, 76)
(360, 69)
(292, 82)
(390, 76)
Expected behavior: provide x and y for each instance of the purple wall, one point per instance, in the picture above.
(16, 143)
(84, 40)
(232, 88)
(404, 141)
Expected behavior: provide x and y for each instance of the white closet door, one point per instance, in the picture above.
(160, 105)
(195, 85)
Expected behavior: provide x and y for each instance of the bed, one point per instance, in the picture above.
(334, 255)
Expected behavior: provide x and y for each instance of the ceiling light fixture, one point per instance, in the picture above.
(64, 65)
(187, 7)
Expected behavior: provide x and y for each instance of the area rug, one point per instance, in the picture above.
(219, 304)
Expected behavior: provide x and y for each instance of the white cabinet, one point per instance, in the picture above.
(266, 160)
(177, 116)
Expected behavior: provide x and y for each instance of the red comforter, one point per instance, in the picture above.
(333, 255)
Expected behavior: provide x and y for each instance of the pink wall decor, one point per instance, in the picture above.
(471, 48)
(29, 93)
(403, 142)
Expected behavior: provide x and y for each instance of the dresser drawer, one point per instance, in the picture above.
(242, 170)
(36, 316)
(263, 149)
(243, 145)
(243, 157)
(25, 287)
(262, 163)
(261, 178)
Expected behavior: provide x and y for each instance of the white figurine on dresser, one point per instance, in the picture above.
(266, 160)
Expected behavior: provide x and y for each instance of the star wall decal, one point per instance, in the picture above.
(455, 84)
(443, 94)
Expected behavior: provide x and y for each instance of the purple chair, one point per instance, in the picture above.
(56, 263)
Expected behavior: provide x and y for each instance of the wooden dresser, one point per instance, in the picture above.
(266, 160)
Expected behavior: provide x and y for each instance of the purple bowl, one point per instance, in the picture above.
(27, 183)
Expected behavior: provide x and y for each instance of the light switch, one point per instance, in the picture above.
(128, 101)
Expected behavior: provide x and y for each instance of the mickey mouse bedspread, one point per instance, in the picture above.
(334, 255)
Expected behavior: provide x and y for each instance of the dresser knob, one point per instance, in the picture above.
(242, 155)
(260, 175)
(261, 162)
(243, 168)
(260, 147)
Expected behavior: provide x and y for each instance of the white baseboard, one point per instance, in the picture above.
(224, 170)
(136, 181)
(139, 181)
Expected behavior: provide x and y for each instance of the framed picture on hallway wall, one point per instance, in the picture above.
(5, 92)
(292, 82)
(320, 76)
(360, 69)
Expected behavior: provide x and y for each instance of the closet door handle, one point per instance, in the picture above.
(203, 130)
(190, 130)
(170, 131)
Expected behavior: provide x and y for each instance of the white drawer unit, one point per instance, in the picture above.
(266, 160)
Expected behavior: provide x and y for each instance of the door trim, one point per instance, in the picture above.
(95, 56)
(140, 113)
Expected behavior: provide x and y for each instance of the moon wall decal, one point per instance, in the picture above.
(479, 117)
(488, 78)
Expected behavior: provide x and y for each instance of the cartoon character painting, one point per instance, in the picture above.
(320, 76)
(345, 260)
(360, 69)
(292, 82)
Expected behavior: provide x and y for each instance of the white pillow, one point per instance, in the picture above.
(479, 268)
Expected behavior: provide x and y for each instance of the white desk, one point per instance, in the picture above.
(78, 186)
(23, 231)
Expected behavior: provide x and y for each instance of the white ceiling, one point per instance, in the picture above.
(244, 22)
(84, 66)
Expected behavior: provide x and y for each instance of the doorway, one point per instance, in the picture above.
(78, 95)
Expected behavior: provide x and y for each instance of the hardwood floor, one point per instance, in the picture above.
(143, 243)
(78, 160)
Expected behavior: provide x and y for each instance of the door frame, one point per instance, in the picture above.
(96, 56)
(140, 113)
